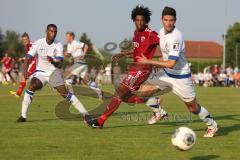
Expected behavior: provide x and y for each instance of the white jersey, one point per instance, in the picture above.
(172, 47)
(76, 49)
(41, 49)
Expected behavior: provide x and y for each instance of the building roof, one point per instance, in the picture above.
(203, 49)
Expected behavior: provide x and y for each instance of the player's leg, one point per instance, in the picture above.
(91, 84)
(204, 115)
(35, 84)
(11, 77)
(185, 89)
(69, 74)
(23, 81)
(130, 83)
(56, 80)
(145, 95)
(20, 89)
(70, 97)
(4, 81)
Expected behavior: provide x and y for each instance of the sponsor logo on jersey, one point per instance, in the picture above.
(176, 46)
(142, 39)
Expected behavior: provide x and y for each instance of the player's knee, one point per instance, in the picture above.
(64, 95)
(194, 108)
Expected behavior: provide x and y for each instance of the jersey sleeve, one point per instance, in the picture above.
(175, 47)
(154, 38)
(59, 52)
(32, 51)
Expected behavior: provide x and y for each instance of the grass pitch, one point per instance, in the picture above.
(126, 134)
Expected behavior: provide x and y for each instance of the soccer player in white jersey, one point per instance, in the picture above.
(173, 70)
(49, 54)
(78, 51)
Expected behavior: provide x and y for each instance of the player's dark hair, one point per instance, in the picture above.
(142, 11)
(25, 34)
(51, 26)
(169, 11)
(71, 34)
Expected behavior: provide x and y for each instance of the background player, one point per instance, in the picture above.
(7, 68)
(145, 41)
(49, 54)
(32, 66)
(176, 73)
(78, 51)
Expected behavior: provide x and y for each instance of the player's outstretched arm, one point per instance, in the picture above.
(165, 64)
(57, 63)
(120, 55)
(26, 63)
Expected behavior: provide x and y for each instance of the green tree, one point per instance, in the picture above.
(85, 39)
(12, 44)
(232, 42)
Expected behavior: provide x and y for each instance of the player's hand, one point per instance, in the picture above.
(117, 57)
(50, 59)
(142, 59)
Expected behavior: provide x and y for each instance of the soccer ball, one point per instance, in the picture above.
(183, 138)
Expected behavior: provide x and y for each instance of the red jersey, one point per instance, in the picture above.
(145, 42)
(7, 61)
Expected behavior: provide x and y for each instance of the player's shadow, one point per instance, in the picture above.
(223, 130)
(126, 126)
(208, 157)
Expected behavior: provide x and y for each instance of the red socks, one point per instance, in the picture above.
(112, 106)
(21, 87)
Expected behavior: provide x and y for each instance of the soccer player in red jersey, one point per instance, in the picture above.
(145, 42)
(8, 63)
(32, 66)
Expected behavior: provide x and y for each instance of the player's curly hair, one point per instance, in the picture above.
(142, 11)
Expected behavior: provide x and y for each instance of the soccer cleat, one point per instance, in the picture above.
(21, 119)
(211, 131)
(91, 122)
(157, 116)
(14, 94)
(4, 82)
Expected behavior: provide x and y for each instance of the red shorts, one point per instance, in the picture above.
(137, 74)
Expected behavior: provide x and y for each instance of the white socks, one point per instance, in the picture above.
(26, 102)
(93, 86)
(154, 104)
(68, 83)
(76, 103)
(205, 116)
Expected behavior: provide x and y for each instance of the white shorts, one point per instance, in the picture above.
(183, 88)
(79, 69)
(54, 78)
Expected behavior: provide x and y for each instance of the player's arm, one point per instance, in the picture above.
(57, 62)
(26, 63)
(174, 52)
(28, 58)
(165, 64)
(120, 55)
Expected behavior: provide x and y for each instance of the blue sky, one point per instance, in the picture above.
(109, 20)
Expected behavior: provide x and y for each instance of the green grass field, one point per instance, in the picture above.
(45, 136)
